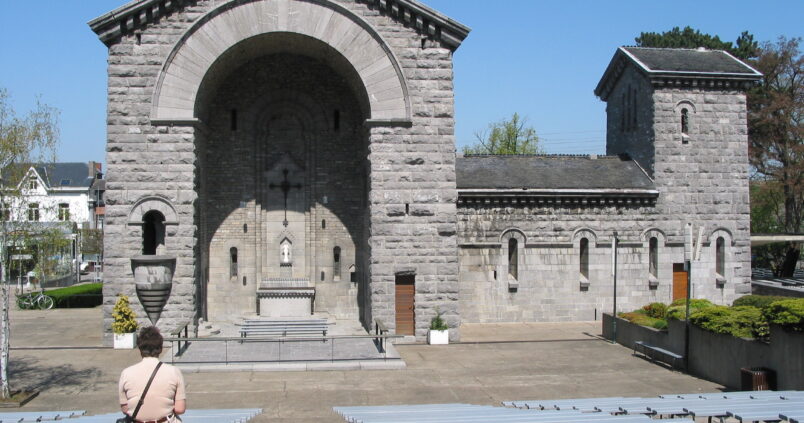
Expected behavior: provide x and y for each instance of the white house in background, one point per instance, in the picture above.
(56, 192)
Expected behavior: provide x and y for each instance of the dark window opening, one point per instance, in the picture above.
(33, 212)
(720, 256)
(153, 232)
(336, 120)
(233, 122)
(352, 274)
(584, 256)
(64, 212)
(685, 122)
(323, 223)
(407, 208)
(513, 258)
(336, 263)
(5, 212)
(233, 262)
(653, 257)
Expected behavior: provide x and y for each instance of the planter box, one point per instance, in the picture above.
(438, 337)
(125, 341)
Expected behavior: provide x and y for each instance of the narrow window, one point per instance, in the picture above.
(720, 256)
(153, 232)
(64, 212)
(33, 212)
(352, 274)
(407, 208)
(233, 262)
(685, 122)
(233, 120)
(513, 258)
(336, 120)
(336, 263)
(653, 257)
(32, 184)
(323, 223)
(584, 253)
(5, 212)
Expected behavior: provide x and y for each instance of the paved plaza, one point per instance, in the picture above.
(59, 352)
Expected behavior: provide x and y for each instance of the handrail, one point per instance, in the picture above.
(284, 338)
(380, 329)
(182, 326)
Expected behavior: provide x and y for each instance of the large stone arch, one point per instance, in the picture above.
(373, 62)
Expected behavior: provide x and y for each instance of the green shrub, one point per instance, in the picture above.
(124, 318)
(787, 313)
(77, 296)
(640, 317)
(677, 309)
(758, 301)
(437, 323)
(656, 310)
(740, 321)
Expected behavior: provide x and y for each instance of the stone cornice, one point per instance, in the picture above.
(139, 13)
(427, 22)
(558, 198)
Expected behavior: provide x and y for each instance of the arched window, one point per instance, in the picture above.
(233, 262)
(685, 121)
(513, 258)
(352, 274)
(653, 257)
(720, 256)
(584, 258)
(153, 232)
(336, 263)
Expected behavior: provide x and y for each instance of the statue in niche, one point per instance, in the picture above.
(285, 252)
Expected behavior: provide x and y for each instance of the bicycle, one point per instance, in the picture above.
(34, 301)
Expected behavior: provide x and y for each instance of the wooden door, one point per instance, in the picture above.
(679, 281)
(405, 305)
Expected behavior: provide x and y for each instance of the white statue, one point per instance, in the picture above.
(285, 253)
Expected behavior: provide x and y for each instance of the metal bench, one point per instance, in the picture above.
(284, 328)
(651, 351)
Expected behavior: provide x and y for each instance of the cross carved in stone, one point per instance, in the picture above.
(285, 186)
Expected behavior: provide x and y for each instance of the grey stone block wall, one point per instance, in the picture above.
(410, 164)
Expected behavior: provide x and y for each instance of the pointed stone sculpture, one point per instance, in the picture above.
(153, 279)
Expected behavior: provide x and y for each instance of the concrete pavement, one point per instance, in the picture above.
(58, 351)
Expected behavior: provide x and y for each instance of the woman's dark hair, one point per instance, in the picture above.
(149, 341)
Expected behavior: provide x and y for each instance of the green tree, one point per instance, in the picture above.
(775, 131)
(508, 136)
(744, 47)
(28, 139)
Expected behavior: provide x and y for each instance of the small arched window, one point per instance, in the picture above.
(153, 232)
(720, 256)
(233, 262)
(513, 258)
(584, 258)
(336, 263)
(685, 121)
(653, 257)
(352, 274)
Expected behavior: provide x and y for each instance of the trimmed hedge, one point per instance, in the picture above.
(77, 296)
(678, 308)
(758, 301)
(740, 321)
(787, 313)
(656, 310)
(641, 317)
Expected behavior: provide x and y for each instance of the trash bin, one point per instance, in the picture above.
(757, 379)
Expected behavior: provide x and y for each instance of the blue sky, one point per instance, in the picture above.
(541, 59)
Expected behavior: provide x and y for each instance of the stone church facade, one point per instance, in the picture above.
(298, 156)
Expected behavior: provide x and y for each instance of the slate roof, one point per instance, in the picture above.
(545, 172)
(676, 66)
(63, 175)
(688, 60)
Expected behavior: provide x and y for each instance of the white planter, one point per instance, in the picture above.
(438, 337)
(125, 341)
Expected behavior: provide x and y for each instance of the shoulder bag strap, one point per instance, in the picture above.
(145, 391)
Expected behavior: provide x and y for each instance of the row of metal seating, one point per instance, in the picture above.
(456, 413)
(744, 406)
(241, 415)
(305, 327)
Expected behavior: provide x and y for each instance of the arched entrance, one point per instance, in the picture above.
(285, 150)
